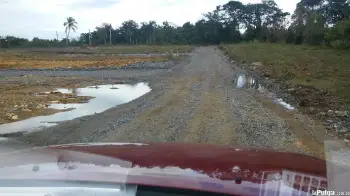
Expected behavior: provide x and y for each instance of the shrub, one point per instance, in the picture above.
(299, 39)
(339, 36)
(83, 46)
(290, 37)
(340, 44)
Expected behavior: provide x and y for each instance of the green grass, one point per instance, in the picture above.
(316, 67)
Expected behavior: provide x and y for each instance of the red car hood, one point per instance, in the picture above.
(205, 167)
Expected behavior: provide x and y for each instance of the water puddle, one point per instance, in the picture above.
(247, 82)
(285, 104)
(106, 96)
(153, 54)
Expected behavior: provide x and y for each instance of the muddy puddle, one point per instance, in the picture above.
(244, 81)
(154, 54)
(105, 97)
(248, 82)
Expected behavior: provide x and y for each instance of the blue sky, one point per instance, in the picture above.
(42, 18)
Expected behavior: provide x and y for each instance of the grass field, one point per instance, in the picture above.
(306, 66)
(86, 57)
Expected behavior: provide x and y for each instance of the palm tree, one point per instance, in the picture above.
(70, 24)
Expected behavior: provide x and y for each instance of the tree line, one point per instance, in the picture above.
(316, 22)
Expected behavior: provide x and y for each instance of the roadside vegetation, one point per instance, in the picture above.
(318, 77)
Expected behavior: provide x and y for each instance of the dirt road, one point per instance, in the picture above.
(196, 102)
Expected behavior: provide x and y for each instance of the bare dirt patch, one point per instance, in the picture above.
(87, 57)
(34, 60)
(120, 49)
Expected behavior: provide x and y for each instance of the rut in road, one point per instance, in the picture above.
(201, 105)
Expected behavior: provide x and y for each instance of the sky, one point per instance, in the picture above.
(42, 18)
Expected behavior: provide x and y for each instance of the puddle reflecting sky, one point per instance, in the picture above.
(244, 81)
(106, 96)
(247, 82)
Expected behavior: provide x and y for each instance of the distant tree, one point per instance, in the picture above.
(151, 30)
(129, 31)
(102, 33)
(188, 33)
(233, 15)
(331, 11)
(308, 23)
(12, 41)
(70, 24)
(339, 35)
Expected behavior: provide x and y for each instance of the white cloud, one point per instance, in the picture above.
(42, 18)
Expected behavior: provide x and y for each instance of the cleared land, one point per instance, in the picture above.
(23, 97)
(122, 49)
(14, 59)
(194, 100)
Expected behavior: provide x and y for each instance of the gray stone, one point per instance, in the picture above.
(14, 117)
(321, 114)
(329, 121)
(343, 130)
(40, 106)
(329, 127)
(9, 114)
(26, 110)
(257, 64)
(336, 126)
(341, 113)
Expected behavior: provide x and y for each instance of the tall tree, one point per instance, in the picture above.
(188, 33)
(332, 11)
(129, 30)
(110, 34)
(233, 15)
(70, 24)
(214, 22)
(151, 30)
(308, 22)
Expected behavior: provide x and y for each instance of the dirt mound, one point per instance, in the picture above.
(311, 97)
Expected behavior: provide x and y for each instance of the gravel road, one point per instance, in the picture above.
(193, 101)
